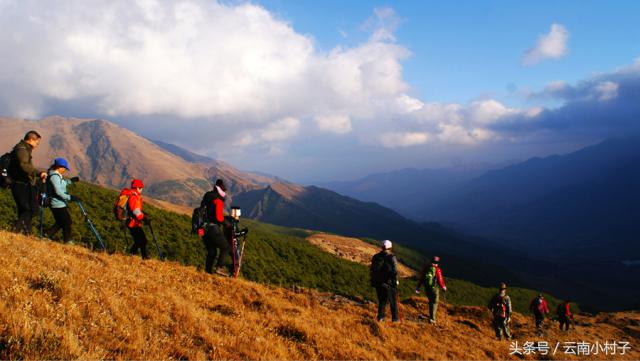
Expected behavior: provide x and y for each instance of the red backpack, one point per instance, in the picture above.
(500, 308)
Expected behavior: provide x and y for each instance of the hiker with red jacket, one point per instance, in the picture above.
(564, 315)
(500, 306)
(136, 219)
(213, 234)
(384, 277)
(431, 278)
(539, 308)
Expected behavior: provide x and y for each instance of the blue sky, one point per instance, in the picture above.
(463, 50)
(328, 90)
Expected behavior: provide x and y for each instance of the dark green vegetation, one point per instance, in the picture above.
(274, 255)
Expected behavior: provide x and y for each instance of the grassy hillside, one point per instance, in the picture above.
(274, 255)
(73, 303)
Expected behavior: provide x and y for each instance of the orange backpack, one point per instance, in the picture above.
(121, 205)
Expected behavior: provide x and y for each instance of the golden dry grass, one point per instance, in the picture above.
(352, 249)
(64, 302)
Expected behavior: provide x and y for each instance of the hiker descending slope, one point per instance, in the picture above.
(384, 277)
(57, 193)
(431, 278)
(564, 315)
(213, 233)
(25, 179)
(539, 308)
(136, 219)
(500, 306)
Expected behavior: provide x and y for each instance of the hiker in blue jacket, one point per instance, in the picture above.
(57, 192)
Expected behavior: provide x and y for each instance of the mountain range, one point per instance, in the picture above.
(577, 211)
(542, 223)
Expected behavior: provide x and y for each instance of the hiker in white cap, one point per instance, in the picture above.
(384, 277)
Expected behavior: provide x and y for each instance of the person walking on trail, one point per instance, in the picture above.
(384, 277)
(57, 191)
(564, 315)
(214, 231)
(431, 278)
(539, 308)
(25, 181)
(136, 219)
(500, 306)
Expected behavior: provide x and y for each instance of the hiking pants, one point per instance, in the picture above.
(139, 242)
(214, 239)
(564, 322)
(63, 220)
(387, 295)
(433, 293)
(501, 327)
(539, 319)
(26, 197)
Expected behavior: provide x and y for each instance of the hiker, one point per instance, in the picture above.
(564, 315)
(57, 191)
(539, 308)
(136, 219)
(25, 176)
(384, 277)
(500, 306)
(431, 278)
(213, 233)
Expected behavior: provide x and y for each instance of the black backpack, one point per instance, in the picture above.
(379, 270)
(198, 218)
(5, 165)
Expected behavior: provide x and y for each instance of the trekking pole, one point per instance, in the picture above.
(446, 309)
(153, 234)
(42, 196)
(91, 226)
(400, 315)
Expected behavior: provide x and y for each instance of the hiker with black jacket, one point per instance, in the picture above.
(384, 277)
(500, 306)
(57, 192)
(214, 231)
(539, 308)
(26, 178)
(431, 278)
(564, 315)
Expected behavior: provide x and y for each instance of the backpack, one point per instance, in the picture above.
(430, 277)
(540, 306)
(198, 218)
(561, 310)
(379, 270)
(499, 307)
(121, 205)
(5, 165)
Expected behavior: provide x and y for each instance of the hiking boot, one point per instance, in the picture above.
(222, 272)
(432, 321)
(380, 319)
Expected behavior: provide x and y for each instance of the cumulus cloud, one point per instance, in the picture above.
(192, 63)
(339, 124)
(552, 45)
(403, 139)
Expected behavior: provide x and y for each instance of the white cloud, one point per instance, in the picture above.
(339, 124)
(488, 111)
(606, 90)
(193, 59)
(282, 129)
(403, 139)
(549, 46)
